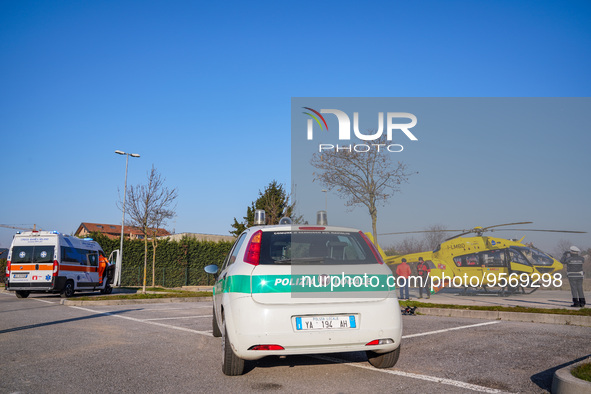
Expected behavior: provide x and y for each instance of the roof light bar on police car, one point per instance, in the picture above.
(321, 218)
(259, 217)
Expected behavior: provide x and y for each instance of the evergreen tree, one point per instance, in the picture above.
(274, 200)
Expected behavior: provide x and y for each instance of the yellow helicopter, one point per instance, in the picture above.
(486, 262)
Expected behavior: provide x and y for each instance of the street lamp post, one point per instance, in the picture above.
(119, 263)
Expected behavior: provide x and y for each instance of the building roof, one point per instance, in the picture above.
(114, 230)
(201, 237)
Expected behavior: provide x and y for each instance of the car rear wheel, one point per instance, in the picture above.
(216, 328)
(68, 290)
(22, 293)
(383, 360)
(232, 364)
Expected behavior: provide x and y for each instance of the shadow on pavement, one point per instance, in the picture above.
(544, 379)
(51, 323)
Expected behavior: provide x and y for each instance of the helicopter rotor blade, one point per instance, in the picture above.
(463, 231)
(548, 231)
(481, 230)
(459, 235)
(506, 224)
(423, 231)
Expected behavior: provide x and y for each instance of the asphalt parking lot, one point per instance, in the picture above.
(48, 347)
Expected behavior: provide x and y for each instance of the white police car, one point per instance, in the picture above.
(295, 289)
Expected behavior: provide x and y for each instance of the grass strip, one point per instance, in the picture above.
(583, 372)
(147, 296)
(555, 311)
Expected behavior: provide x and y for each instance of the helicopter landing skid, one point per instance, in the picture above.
(506, 291)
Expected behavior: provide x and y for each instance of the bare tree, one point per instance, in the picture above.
(149, 206)
(435, 235)
(362, 178)
(409, 245)
(390, 250)
(561, 246)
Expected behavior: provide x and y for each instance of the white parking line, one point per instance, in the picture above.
(36, 299)
(175, 309)
(449, 382)
(449, 329)
(180, 317)
(428, 378)
(49, 302)
(207, 334)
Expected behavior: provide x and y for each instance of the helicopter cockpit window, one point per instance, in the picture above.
(493, 258)
(517, 257)
(535, 256)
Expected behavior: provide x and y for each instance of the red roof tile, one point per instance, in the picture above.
(114, 230)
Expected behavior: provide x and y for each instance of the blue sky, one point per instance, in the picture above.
(480, 162)
(202, 90)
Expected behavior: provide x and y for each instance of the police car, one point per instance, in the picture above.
(298, 289)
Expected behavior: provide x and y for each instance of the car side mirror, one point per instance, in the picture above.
(211, 269)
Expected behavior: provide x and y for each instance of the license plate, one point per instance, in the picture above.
(325, 322)
(20, 276)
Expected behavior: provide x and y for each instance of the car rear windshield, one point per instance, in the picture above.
(315, 247)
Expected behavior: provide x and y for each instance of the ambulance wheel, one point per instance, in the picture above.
(216, 328)
(383, 360)
(232, 364)
(68, 290)
(22, 293)
(107, 290)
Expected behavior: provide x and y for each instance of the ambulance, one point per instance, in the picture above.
(52, 262)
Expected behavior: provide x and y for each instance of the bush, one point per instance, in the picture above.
(178, 263)
(583, 372)
(2, 270)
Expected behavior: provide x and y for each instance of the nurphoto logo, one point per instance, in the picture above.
(344, 131)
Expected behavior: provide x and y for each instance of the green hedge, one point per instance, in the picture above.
(2, 270)
(178, 263)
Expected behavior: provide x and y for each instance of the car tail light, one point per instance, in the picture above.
(266, 347)
(253, 250)
(385, 341)
(56, 268)
(373, 248)
(316, 228)
(8, 268)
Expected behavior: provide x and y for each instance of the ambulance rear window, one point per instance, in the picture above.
(22, 254)
(32, 254)
(43, 254)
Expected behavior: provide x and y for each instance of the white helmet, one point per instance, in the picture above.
(574, 249)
